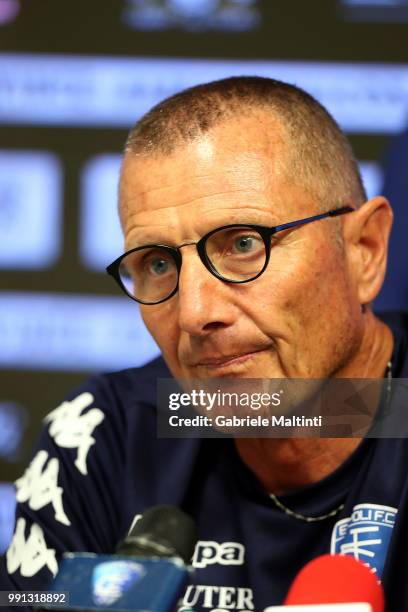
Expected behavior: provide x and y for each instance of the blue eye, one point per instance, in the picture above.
(244, 244)
(159, 267)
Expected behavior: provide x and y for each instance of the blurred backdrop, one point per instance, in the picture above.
(74, 76)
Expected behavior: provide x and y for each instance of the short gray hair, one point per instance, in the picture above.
(320, 157)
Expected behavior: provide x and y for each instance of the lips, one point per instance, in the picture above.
(218, 361)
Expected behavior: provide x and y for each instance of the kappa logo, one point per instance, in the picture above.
(30, 554)
(208, 552)
(365, 535)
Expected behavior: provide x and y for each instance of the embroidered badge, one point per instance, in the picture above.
(365, 535)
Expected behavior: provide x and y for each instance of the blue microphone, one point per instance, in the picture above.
(149, 572)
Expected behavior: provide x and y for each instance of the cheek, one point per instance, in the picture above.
(160, 323)
(304, 290)
(324, 312)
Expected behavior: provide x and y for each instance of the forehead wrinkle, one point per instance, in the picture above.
(189, 181)
(261, 209)
(209, 175)
(254, 179)
(188, 202)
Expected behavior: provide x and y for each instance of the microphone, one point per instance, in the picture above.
(149, 572)
(334, 583)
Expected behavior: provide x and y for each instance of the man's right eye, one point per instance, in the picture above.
(159, 266)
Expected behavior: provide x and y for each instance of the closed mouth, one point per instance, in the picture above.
(226, 360)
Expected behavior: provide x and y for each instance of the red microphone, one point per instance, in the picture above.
(334, 583)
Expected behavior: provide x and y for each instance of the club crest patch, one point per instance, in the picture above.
(365, 535)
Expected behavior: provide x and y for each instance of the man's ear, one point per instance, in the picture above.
(366, 235)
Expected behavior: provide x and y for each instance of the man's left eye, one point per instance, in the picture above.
(244, 244)
(247, 243)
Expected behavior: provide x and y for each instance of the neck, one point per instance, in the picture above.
(282, 465)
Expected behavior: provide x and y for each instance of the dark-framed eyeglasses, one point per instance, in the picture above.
(236, 253)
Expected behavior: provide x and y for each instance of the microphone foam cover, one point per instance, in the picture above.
(336, 579)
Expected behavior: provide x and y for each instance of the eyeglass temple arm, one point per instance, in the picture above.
(330, 213)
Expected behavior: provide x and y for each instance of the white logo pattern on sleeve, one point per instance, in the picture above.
(39, 486)
(71, 429)
(30, 555)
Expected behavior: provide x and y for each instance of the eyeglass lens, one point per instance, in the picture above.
(235, 253)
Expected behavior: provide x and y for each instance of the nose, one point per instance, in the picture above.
(204, 301)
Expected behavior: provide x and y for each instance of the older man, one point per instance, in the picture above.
(253, 254)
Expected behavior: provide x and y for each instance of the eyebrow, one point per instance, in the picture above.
(135, 243)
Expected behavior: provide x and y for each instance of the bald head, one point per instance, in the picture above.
(316, 154)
